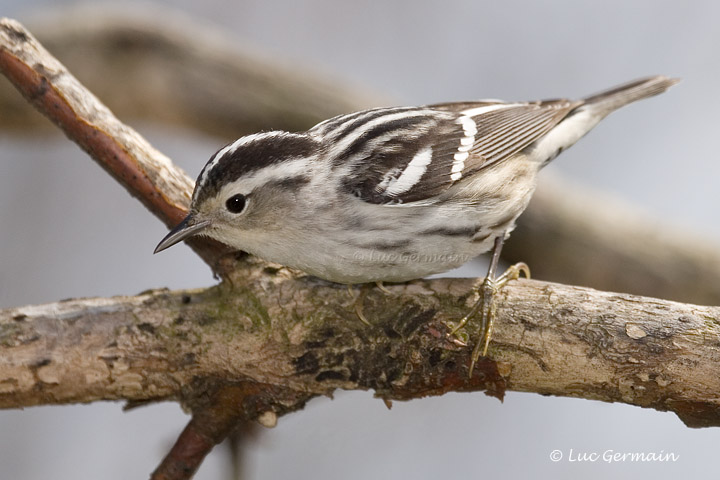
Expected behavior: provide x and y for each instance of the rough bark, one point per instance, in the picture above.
(287, 339)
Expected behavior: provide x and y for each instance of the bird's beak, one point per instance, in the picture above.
(187, 228)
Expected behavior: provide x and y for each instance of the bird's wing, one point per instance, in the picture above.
(404, 155)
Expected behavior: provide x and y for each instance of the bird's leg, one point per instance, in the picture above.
(486, 303)
(485, 288)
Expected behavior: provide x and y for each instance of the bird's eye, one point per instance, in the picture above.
(236, 203)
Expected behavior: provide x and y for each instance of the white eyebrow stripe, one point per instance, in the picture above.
(230, 148)
(287, 170)
(412, 173)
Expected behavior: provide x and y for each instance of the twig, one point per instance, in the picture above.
(144, 172)
(225, 409)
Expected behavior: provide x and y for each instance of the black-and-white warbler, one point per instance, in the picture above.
(391, 194)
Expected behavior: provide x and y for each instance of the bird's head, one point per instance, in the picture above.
(244, 193)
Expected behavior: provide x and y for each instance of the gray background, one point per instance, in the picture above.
(67, 230)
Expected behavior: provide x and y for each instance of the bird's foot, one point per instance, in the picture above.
(487, 306)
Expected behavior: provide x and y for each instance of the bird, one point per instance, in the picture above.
(393, 194)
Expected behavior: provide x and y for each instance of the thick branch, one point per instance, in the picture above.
(293, 338)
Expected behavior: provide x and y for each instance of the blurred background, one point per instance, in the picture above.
(68, 230)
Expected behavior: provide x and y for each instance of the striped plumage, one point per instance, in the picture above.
(390, 194)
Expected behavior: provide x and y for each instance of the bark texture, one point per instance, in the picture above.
(289, 339)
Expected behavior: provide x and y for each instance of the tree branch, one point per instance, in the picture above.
(288, 339)
(146, 174)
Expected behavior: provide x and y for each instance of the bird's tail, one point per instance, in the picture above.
(591, 110)
(605, 102)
